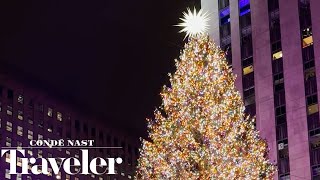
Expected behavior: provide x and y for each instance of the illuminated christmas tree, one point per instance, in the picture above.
(201, 131)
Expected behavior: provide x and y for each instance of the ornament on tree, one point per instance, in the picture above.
(201, 132)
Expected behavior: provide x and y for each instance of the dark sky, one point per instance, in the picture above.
(108, 57)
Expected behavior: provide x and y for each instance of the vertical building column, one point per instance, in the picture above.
(263, 75)
(315, 20)
(212, 7)
(235, 43)
(295, 93)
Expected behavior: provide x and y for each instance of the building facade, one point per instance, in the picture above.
(27, 113)
(274, 48)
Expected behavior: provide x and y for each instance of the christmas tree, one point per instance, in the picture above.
(201, 131)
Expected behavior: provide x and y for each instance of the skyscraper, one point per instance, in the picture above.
(274, 48)
(30, 113)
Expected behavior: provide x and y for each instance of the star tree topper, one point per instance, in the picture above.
(194, 23)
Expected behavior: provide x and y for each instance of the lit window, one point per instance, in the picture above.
(19, 145)
(50, 112)
(92, 175)
(7, 157)
(58, 176)
(312, 109)
(39, 153)
(20, 99)
(67, 177)
(307, 41)
(50, 172)
(59, 116)
(30, 135)
(129, 176)
(20, 131)
(30, 121)
(100, 178)
(9, 110)
(20, 114)
(277, 55)
(40, 137)
(122, 173)
(247, 70)
(30, 152)
(8, 142)
(68, 152)
(7, 176)
(29, 178)
(9, 126)
(19, 161)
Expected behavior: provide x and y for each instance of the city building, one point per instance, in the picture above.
(274, 48)
(28, 113)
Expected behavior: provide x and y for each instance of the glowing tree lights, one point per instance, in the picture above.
(200, 131)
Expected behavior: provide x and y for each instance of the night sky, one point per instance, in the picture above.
(108, 58)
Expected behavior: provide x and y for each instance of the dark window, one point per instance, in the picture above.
(248, 92)
(279, 98)
(282, 131)
(246, 47)
(279, 87)
(308, 53)
(305, 14)
(275, 33)
(273, 5)
(280, 110)
(247, 62)
(281, 119)
(248, 81)
(277, 66)
(278, 79)
(223, 3)
(225, 30)
(312, 100)
(245, 20)
(315, 156)
(311, 86)
(276, 46)
(313, 121)
(251, 109)
(283, 166)
(308, 64)
(10, 94)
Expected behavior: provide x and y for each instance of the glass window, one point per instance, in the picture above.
(9, 110)
(7, 175)
(9, 126)
(20, 115)
(20, 99)
(30, 135)
(247, 70)
(19, 131)
(50, 112)
(59, 116)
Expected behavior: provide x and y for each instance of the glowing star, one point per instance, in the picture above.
(194, 23)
